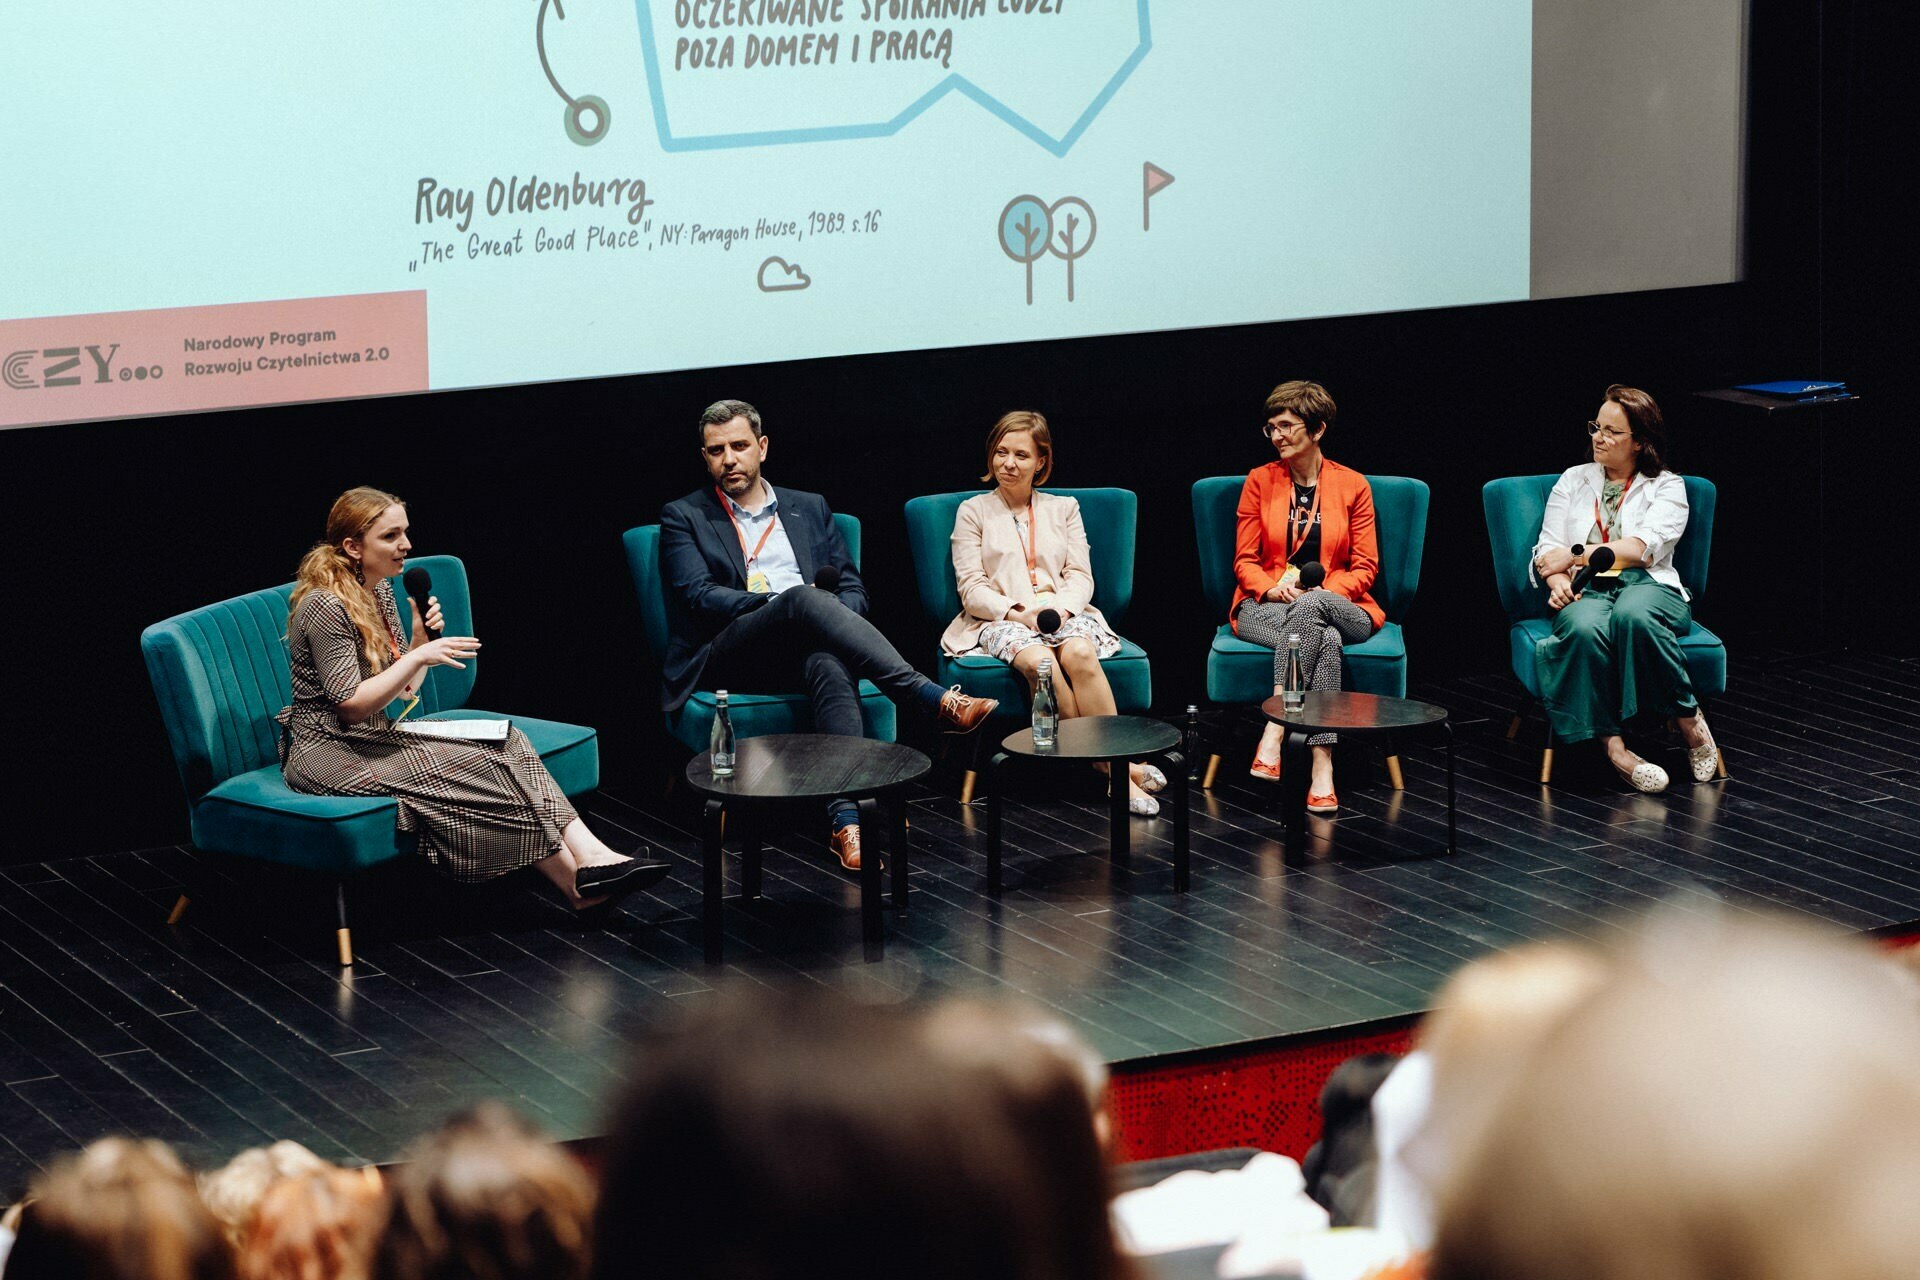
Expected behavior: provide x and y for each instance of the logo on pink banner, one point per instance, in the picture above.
(123, 364)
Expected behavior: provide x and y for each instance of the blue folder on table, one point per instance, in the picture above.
(1795, 389)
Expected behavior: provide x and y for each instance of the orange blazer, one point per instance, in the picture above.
(1348, 547)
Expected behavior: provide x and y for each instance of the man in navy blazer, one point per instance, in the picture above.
(739, 559)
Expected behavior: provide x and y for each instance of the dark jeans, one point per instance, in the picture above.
(804, 639)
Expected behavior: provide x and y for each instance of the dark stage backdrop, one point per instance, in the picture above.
(118, 525)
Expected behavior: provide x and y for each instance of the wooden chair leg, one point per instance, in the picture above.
(1394, 775)
(1721, 770)
(343, 936)
(968, 781)
(1513, 727)
(179, 911)
(1546, 765)
(1213, 771)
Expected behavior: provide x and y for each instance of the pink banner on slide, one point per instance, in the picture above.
(122, 364)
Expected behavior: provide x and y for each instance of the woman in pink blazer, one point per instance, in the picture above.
(1017, 553)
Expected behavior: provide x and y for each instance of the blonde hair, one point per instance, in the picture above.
(1741, 1098)
(233, 1191)
(327, 567)
(120, 1209)
(315, 1226)
(1033, 424)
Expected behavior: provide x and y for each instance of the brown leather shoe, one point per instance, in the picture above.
(961, 714)
(845, 844)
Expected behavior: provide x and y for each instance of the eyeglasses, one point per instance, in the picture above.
(1273, 429)
(1607, 434)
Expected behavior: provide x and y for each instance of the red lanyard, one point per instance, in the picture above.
(1601, 524)
(1305, 527)
(765, 533)
(1027, 543)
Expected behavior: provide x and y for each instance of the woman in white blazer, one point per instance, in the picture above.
(1614, 655)
(1018, 553)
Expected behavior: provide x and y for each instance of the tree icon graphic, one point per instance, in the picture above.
(1026, 233)
(1073, 230)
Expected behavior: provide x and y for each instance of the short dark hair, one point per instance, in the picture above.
(1648, 427)
(1307, 399)
(721, 412)
(801, 1133)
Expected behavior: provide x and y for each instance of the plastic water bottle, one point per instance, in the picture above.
(1046, 712)
(1293, 694)
(720, 741)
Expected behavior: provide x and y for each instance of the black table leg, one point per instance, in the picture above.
(712, 880)
(1296, 766)
(1182, 791)
(749, 853)
(1119, 833)
(897, 849)
(872, 934)
(1446, 727)
(995, 783)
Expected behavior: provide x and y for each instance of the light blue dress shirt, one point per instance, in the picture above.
(776, 559)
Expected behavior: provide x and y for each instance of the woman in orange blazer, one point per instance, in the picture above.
(1301, 510)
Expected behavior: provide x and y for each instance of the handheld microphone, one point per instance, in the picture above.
(1599, 562)
(1312, 574)
(827, 577)
(1047, 621)
(419, 584)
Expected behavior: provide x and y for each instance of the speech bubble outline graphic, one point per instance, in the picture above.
(954, 82)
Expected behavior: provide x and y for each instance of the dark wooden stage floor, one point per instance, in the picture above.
(236, 1027)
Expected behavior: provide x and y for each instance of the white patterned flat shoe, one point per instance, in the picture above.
(1650, 778)
(1139, 806)
(1704, 761)
(1151, 779)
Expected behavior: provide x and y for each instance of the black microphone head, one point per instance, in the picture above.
(1312, 574)
(419, 584)
(1600, 559)
(1047, 621)
(827, 577)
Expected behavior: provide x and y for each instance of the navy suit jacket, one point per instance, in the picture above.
(705, 574)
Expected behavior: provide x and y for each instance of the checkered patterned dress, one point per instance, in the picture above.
(480, 809)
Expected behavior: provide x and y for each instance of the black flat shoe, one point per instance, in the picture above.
(614, 879)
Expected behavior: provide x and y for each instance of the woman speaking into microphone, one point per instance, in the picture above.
(1303, 517)
(479, 809)
(1025, 575)
(1613, 523)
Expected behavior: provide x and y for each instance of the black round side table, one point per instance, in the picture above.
(1353, 713)
(1115, 740)
(784, 768)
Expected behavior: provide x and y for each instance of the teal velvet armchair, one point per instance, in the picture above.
(1240, 673)
(1110, 517)
(220, 674)
(1515, 507)
(753, 714)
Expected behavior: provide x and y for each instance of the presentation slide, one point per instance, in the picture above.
(215, 205)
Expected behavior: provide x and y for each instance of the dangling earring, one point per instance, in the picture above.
(359, 573)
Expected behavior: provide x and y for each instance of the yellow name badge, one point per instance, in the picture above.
(1290, 576)
(758, 584)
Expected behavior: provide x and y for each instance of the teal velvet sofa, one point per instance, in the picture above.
(220, 674)
(753, 714)
(1239, 672)
(1110, 517)
(1515, 506)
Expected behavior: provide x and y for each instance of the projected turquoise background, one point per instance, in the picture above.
(596, 187)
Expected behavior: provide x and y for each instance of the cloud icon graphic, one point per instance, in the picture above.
(776, 276)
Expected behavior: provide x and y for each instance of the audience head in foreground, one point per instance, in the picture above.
(319, 1225)
(234, 1191)
(1739, 1098)
(799, 1135)
(118, 1210)
(487, 1197)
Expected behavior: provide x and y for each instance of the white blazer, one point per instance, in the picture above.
(1654, 511)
